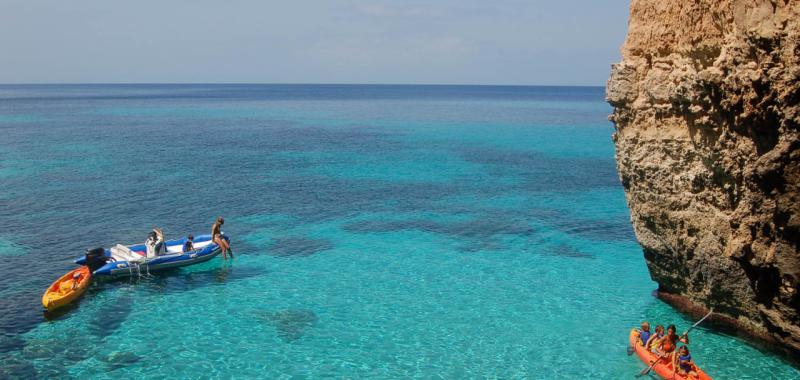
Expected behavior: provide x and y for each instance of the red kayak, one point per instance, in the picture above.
(664, 366)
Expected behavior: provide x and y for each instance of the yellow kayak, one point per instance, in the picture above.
(67, 288)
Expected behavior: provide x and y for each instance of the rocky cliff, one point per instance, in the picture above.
(708, 150)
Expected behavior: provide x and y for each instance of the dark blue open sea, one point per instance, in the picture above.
(379, 232)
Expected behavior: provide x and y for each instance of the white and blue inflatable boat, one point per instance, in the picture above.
(121, 260)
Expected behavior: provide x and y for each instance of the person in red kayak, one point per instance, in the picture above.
(216, 237)
(650, 344)
(666, 346)
(644, 335)
(683, 363)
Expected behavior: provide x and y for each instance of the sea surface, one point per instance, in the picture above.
(379, 232)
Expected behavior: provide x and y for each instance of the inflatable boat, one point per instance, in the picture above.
(122, 261)
(663, 368)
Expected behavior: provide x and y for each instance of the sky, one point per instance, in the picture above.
(514, 42)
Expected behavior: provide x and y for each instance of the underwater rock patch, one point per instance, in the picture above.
(565, 250)
(120, 359)
(290, 324)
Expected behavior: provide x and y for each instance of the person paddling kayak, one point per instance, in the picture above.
(668, 344)
(216, 237)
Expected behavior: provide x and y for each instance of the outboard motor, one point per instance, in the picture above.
(95, 258)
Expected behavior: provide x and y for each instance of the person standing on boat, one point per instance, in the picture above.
(216, 237)
(155, 243)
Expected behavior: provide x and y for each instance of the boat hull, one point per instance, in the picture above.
(66, 289)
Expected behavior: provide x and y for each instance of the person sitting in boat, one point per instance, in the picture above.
(683, 362)
(654, 338)
(189, 245)
(155, 243)
(666, 345)
(644, 334)
(216, 237)
(76, 278)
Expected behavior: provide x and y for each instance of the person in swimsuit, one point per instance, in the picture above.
(644, 335)
(683, 362)
(650, 344)
(216, 237)
(666, 346)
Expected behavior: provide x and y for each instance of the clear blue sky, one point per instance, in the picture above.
(298, 41)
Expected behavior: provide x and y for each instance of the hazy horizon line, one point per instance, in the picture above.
(287, 84)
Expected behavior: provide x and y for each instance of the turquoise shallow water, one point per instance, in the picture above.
(380, 232)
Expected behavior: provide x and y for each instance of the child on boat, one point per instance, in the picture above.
(644, 334)
(189, 245)
(650, 344)
(683, 362)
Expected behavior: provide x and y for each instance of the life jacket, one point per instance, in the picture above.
(655, 341)
(644, 336)
(685, 366)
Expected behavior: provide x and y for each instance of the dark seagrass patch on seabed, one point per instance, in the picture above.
(9, 343)
(542, 172)
(109, 319)
(565, 250)
(616, 228)
(290, 324)
(14, 367)
(298, 246)
(21, 311)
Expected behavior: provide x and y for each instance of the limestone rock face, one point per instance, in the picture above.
(707, 116)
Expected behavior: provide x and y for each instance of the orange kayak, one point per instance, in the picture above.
(67, 288)
(664, 367)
